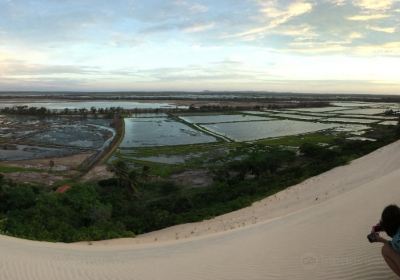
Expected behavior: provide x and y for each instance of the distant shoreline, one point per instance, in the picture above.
(203, 96)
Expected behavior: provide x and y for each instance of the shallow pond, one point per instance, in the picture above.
(149, 115)
(318, 110)
(356, 104)
(350, 120)
(60, 104)
(25, 152)
(372, 111)
(355, 128)
(361, 139)
(300, 117)
(389, 123)
(249, 131)
(206, 119)
(160, 132)
(368, 117)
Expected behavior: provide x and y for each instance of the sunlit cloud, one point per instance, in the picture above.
(273, 16)
(388, 49)
(382, 29)
(199, 27)
(374, 4)
(366, 17)
(355, 35)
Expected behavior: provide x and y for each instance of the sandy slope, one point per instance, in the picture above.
(315, 230)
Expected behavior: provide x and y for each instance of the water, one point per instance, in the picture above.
(350, 120)
(149, 115)
(160, 132)
(60, 131)
(358, 129)
(354, 104)
(259, 112)
(361, 139)
(222, 118)
(249, 131)
(300, 117)
(60, 104)
(389, 123)
(372, 111)
(82, 136)
(318, 110)
(368, 117)
(312, 114)
(26, 152)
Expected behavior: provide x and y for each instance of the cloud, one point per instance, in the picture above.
(383, 29)
(372, 9)
(374, 4)
(279, 16)
(355, 35)
(338, 2)
(387, 49)
(199, 27)
(273, 16)
(317, 47)
(367, 17)
(193, 7)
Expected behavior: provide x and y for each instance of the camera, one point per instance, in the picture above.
(372, 237)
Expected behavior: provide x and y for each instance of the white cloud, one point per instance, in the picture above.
(387, 49)
(383, 29)
(199, 27)
(355, 35)
(338, 2)
(367, 17)
(192, 7)
(274, 16)
(303, 31)
(317, 47)
(372, 9)
(279, 16)
(374, 4)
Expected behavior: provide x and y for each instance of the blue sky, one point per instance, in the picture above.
(277, 45)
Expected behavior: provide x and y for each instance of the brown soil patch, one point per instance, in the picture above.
(60, 164)
(193, 178)
(99, 172)
(33, 177)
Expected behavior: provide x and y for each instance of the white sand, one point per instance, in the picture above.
(314, 230)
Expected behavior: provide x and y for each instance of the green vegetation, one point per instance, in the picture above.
(10, 169)
(134, 202)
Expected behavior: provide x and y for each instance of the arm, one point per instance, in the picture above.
(381, 239)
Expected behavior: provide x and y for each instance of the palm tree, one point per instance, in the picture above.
(126, 178)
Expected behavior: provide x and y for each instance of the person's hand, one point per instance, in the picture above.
(379, 238)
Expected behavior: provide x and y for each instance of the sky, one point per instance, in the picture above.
(332, 46)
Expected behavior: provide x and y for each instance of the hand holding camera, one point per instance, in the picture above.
(374, 235)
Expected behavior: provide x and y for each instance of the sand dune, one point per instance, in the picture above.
(314, 230)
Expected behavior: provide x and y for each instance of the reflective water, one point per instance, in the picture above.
(160, 132)
(60, 104)
(389, 123)
(205, 119)
(372, 111)
(248, 131)
(350, 120)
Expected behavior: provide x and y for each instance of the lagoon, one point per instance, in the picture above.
(250, 131)
(160, 132)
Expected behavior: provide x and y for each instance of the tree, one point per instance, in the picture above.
(126, 178)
